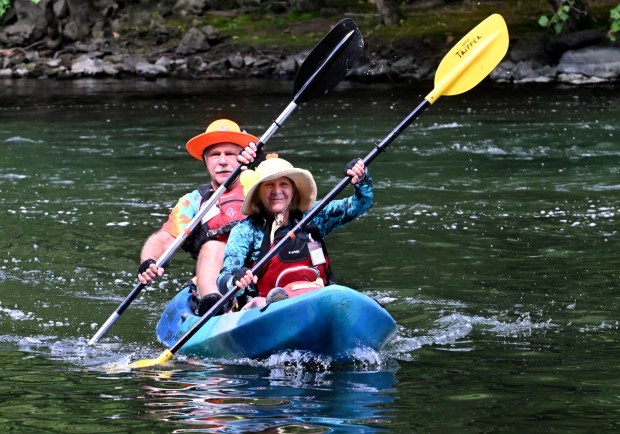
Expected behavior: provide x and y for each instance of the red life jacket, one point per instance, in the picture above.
(218, 221)
(227, 210)
(293, 262)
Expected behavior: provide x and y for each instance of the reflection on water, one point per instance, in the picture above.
(220, 398)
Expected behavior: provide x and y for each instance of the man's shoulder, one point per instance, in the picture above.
(204, 190)
(196, 194)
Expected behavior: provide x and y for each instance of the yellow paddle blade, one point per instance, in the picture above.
(472, 58)
(147, 363)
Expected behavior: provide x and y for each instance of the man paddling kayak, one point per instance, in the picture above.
(277, 196)
(219, 149)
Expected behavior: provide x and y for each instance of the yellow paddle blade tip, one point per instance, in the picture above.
(472, 58)
(146, 363)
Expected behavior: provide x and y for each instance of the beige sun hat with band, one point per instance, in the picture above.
(274, 168)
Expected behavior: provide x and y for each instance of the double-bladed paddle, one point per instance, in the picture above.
(323, 68)
(471, 60)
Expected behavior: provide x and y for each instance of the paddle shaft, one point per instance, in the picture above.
(304, 93)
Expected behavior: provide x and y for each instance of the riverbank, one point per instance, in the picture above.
(162, 48)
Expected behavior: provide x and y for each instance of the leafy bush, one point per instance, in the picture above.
(6, 4)
(559, 18)
(614, 16)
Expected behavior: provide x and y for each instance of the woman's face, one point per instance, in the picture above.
(276, 195)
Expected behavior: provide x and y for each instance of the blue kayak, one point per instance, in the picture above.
(333, 321)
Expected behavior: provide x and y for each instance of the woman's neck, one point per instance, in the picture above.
(281, 217)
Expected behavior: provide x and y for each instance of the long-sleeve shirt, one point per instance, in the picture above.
(244, 243)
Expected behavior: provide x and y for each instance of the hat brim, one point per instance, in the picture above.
(304, 184)
(196, 146)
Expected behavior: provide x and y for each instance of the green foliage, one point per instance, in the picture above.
(6, 4)
(559, 18)
(614, 16)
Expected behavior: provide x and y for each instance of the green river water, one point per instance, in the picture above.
(493, 242)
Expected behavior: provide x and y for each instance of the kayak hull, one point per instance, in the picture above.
(333, 321)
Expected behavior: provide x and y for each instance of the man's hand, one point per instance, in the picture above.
(249, 157)
(148, 272)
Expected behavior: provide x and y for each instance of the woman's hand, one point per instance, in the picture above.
(356, 170)
(243, 277)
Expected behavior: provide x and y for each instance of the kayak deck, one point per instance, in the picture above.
(332, 321)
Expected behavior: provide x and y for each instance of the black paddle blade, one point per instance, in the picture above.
(329, 61)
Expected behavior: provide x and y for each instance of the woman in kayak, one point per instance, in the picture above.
(277, 196)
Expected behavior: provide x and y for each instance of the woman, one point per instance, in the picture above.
(277, 195)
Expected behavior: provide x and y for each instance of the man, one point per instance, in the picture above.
(219, 148)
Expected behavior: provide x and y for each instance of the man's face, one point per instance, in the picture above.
(221, 160)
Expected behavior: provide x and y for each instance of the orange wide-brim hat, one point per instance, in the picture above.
(220, 131)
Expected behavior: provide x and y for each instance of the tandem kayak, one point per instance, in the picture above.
(333, 321)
